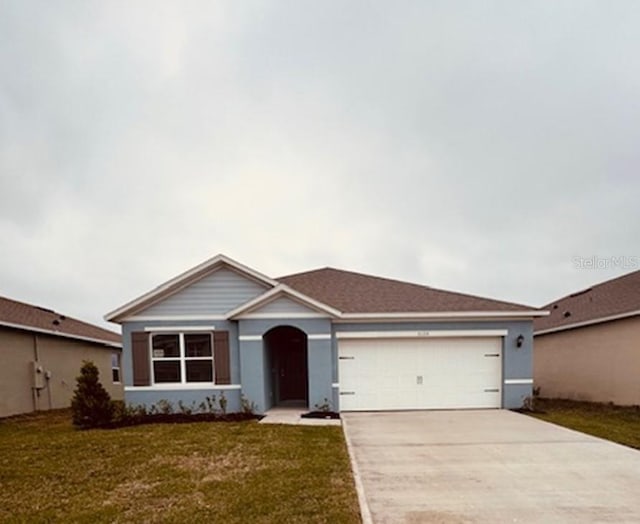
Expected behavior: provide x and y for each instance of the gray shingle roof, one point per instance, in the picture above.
(28, 316)
(614, 297)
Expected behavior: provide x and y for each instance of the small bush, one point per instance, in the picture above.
(325, 406)
(248, 407)
(186, 410)
(211, 403)
(165, 407)
(91, 405)
(223, 403)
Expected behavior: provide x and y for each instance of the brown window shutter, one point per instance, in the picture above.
(140, 358)
(221, 357)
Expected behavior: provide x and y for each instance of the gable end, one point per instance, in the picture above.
(283, 306)
(212, 295)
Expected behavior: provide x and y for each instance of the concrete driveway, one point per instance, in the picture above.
(488, 466)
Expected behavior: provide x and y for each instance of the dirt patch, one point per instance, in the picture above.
(123, 493)
(208, 468)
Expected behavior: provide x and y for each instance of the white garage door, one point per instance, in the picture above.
(420, 373)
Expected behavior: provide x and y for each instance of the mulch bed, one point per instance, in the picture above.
(181, 418)
(321, 414)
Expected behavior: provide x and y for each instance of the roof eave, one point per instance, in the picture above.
(442, 315)
(52, 332)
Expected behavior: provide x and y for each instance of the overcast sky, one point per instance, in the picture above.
(472, 146)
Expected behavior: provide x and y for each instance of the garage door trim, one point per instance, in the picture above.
(382, 384)
(423, 333)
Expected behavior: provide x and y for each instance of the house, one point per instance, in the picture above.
(42, 352)
(326, 337)
(588, 348)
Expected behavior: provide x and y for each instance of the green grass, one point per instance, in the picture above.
(616, 423)
(200, 472)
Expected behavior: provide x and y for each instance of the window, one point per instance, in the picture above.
(115, 367)
(182, 357)
(166, 358)
(198, 357)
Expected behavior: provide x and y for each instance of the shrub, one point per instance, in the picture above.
(186, 410)
(248, 407)
(223, 403)
(165, 407)
(91, 405)
(120, 411)
(211, 403)
(325, 407)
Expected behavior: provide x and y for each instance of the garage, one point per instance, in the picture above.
(386, 371)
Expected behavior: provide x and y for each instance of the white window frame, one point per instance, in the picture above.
(118, 367)
(181, 358)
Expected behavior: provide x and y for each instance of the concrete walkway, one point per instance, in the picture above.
(490, 466)
(293, 416)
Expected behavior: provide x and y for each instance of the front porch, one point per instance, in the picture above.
(287, 363)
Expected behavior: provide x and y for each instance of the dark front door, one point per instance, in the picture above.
(292, 371)
(287, 348)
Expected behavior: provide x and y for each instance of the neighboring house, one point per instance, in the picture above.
(353, 341)
(42, 352)
(588, 348)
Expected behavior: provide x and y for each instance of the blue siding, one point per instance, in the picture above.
(311, 326)
(253, 369)
(189, 398)
(214, 294)
(320, 371)
(282, 305)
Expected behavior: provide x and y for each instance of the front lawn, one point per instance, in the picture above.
(200, 472)
(616, 423)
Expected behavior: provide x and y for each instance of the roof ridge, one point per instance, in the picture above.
(358, 273)
(351, 272)
(305, 272)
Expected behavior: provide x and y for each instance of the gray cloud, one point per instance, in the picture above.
(476, 147)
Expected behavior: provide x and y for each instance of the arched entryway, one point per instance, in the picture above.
(287, 357)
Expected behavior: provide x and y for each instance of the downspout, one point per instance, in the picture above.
(34, 391)
(47, 377)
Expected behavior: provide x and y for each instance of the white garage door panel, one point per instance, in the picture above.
(438, 373)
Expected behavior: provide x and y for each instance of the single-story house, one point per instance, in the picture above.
(42, 352)
(588, 348)
(331, 338)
